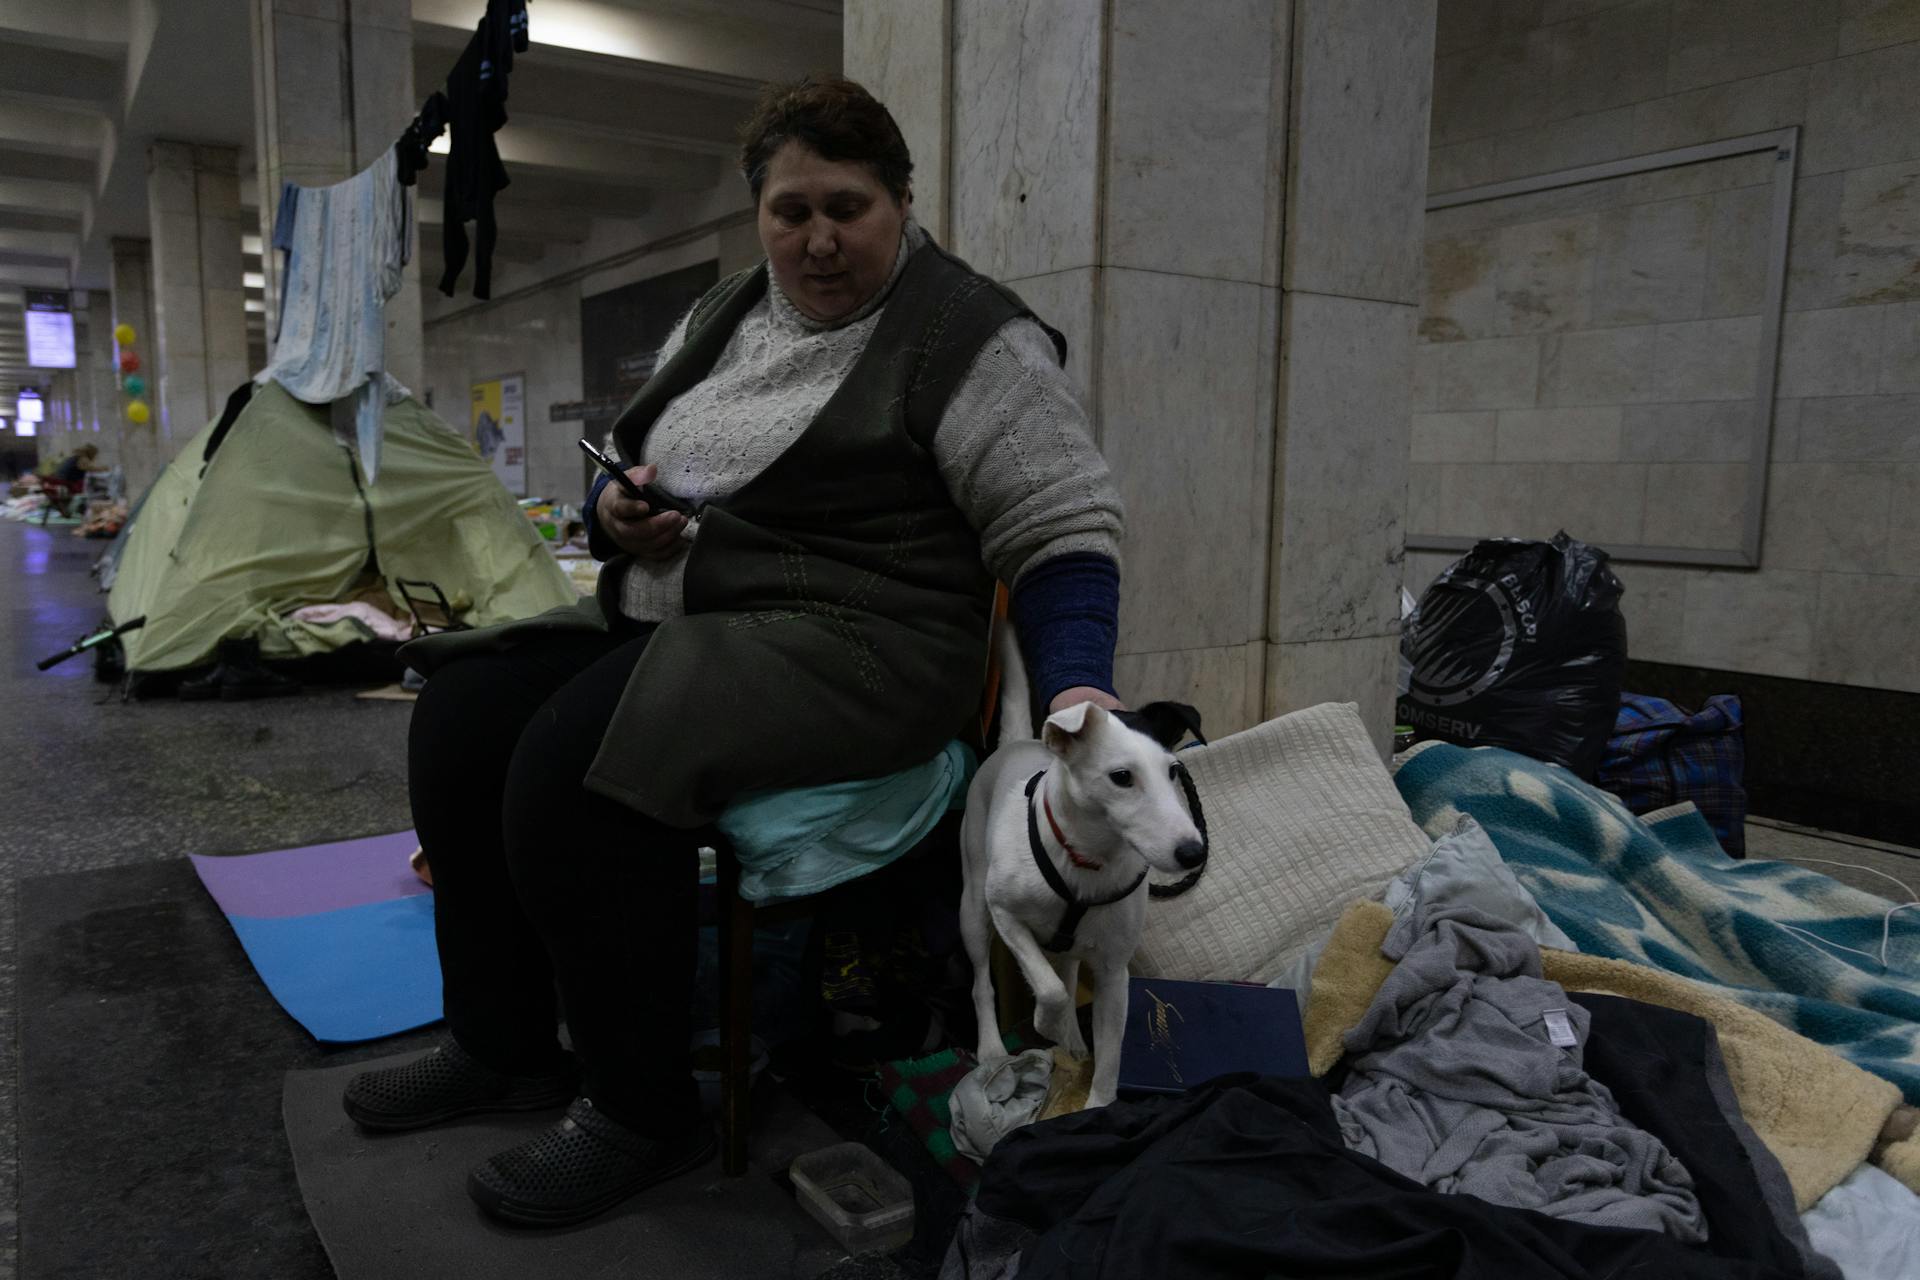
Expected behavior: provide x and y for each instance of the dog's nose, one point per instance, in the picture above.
(1190, 853)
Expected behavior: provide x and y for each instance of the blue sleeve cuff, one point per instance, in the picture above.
(599, 545)
(1067, 610)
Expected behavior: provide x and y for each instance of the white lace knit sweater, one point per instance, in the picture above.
(1013, 445)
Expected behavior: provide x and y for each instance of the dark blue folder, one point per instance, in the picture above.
(1181, 1034)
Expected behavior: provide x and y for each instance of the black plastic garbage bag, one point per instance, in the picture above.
(1520, 645)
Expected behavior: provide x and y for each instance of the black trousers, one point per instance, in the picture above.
(539, 882)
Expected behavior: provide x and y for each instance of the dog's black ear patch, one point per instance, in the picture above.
(1165, 722)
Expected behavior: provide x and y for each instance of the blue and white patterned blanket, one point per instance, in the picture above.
(1661, 893)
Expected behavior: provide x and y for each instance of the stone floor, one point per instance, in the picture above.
(101, 783)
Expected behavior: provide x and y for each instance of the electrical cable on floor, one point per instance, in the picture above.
(1886, 921)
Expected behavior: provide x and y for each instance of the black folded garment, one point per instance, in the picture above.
(1249, 1177)
(1665, 1070)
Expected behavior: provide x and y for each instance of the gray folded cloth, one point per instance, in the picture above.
(995, 1098)
(1456, 1082)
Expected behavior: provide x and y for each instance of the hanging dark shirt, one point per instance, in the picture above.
(476, 108)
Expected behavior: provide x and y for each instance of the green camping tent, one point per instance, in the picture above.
(280, 517)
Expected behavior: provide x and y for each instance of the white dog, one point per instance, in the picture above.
(1058, 837)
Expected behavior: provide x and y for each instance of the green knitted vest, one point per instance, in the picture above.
(836, 606)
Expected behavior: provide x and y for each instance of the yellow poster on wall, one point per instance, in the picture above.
(497, 426)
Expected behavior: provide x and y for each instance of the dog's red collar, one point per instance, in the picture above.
(1085, 864)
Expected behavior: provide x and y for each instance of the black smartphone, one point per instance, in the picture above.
(613, 469)
(657, 500)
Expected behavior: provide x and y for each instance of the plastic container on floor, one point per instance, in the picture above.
(856, 1196)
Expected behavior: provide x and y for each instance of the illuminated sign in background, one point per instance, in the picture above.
(49, 330)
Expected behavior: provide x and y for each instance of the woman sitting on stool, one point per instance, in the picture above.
(868, 434)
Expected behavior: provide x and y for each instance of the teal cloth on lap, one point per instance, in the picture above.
(1661, 893)
(800, 840)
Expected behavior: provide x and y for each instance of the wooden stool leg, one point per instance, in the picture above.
(736, 1011)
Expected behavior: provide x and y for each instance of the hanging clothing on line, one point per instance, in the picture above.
(476, 108)
(412, 149)
(344, 249)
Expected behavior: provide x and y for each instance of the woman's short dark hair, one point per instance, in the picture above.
(834, 116)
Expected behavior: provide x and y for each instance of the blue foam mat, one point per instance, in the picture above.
(358, 973)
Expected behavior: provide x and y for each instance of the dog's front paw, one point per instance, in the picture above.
(990, 1050)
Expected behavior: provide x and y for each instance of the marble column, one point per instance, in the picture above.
(333, 88)
(141, 456)
(96, 388)
(1223, 217)
(198, 348)
(900, 50)
(1351, 245)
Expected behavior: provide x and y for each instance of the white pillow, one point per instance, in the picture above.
(1303, 819)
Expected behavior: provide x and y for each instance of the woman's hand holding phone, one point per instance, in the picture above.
(635, 527)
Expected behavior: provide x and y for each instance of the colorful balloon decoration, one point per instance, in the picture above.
(131, 383)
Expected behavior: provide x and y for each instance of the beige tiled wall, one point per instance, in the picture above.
(1223, 217)
(537, 335)
(1587, 354)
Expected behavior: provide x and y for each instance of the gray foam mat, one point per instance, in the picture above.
(149, 1109)
(396, 1204)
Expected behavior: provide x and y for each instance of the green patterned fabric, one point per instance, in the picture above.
(919, 1091)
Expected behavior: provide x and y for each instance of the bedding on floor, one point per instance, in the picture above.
(1250, 1177)
(1816, 1112)
(1795, 945)
(1869, 1225)
(1465, 1074)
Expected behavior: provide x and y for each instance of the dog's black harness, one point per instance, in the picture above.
(1077, 908)
(1199, 817)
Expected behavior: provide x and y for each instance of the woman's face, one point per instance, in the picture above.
(830, 229)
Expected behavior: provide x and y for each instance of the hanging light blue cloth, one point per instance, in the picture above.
(800, 840)
(346, 247)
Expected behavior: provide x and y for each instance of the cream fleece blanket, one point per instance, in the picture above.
(1820, 1115)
